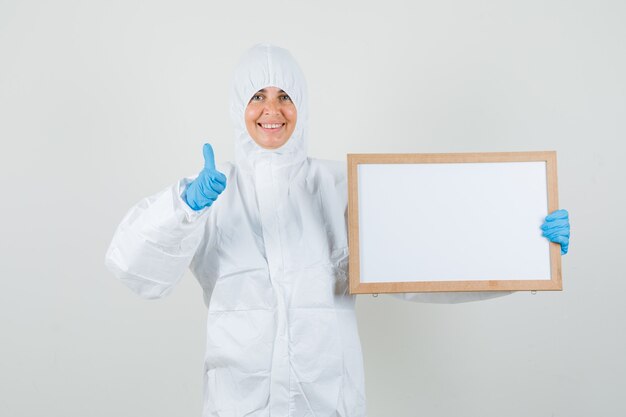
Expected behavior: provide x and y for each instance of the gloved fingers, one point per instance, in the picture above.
(209, 157)
(552, 224)
(555, 234)
(556, 229)
(207, 190)
(217, 183)
(557, 214)
(213, 180)
(564, 242)
(218, 177)
(192, 198)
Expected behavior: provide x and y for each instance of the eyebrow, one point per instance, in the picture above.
(262, 90)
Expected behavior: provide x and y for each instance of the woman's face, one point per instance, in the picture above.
(270, 117)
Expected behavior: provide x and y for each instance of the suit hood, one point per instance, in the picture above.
(262, 66)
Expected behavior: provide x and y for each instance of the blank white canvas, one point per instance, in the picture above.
(453, 221)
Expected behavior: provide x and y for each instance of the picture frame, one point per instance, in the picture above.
(452, 222)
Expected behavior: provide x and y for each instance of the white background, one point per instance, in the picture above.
(444, 222)
(105, 102)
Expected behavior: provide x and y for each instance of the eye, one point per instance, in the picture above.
(285, 97)
(256, 97)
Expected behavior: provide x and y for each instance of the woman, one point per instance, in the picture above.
(266, 238)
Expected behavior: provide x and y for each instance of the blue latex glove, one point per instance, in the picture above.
(556, 229)
(209, 184)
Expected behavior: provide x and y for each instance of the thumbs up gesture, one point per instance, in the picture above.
(209, 184)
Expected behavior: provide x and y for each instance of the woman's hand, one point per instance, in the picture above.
(556, 229)
(209, 184)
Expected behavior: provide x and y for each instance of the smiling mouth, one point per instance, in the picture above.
(271, 126)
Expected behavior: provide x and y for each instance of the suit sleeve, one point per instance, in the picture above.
(155, 242)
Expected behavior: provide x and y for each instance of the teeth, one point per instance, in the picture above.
(271, 125)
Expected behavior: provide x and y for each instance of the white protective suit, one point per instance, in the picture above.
(271, 255)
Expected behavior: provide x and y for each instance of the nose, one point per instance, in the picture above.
(271, 107)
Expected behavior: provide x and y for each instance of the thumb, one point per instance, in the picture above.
(209, 157)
